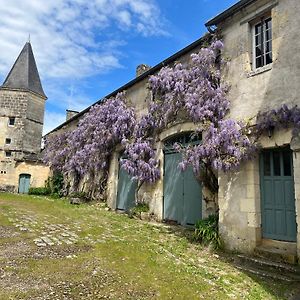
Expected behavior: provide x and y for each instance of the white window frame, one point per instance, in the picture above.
(259, 22)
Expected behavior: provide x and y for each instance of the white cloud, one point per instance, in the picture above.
(51, 120)
(72, 40)
(66, 34)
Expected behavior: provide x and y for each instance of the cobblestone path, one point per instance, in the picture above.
(51, 250)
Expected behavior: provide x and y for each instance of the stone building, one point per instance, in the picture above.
(259, 204)
(22, 105)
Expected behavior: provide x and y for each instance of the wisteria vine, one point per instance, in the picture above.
(87, 149)
(283, 117)
(191, 91)
(182, 92)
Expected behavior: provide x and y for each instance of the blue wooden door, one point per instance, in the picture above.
(173, 188)
(192, 198)
(24, 183)
(182, 192)
(126, 190)
(277, 195)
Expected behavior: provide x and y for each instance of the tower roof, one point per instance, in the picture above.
(24, 73)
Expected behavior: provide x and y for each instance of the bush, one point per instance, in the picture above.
(55, 184)
(207, 232)
(39, 191)
(138, 209)
(141, 207)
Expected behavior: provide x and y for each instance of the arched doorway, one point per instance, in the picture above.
(182, 191)
(24, 183)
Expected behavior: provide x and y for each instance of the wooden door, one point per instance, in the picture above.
(277, 195)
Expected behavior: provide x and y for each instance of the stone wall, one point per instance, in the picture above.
(12, 104)
(28, 110)
(11, 170)
(261, 90)
(252, 91)
(295, 146)
(153, 194)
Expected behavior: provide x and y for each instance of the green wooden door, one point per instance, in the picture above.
(173, 188)
(277, 195)
(126, 190)
(182, 192)
(192, 198)
(24, 183)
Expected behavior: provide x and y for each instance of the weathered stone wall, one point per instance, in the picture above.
(296, 162)
(278, 83)
(33, 127)
(28, 110)
(153, 194)
(12, 104)
(10, 179)
(250, 92)
(32, 136)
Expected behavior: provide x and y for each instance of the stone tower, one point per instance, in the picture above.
(22, 105)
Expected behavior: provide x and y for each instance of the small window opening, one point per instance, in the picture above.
(11, 121)
(8, 154)
(7, 141)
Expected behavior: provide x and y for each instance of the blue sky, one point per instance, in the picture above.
(87, 49)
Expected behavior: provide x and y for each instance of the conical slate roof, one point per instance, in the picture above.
(24, 73)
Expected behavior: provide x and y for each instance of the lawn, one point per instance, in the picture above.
(50, 249)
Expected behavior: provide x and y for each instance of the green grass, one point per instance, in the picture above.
(133, 260)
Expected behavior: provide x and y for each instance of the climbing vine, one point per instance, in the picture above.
(283, 117)
(183, 92)
(86, 150)
(193, 92)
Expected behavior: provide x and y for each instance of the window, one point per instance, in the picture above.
(8, 154)
(262, 42)
(7, 141)
(11, 121)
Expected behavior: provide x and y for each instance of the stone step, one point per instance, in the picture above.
(267, 268)
(267, 274)
(263, 263)
(276, 255)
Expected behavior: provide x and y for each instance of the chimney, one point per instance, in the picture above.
(140, 69)
(70, 114)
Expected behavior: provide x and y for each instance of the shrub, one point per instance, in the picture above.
(141, 207)
(138, 209)
(55, 184)
(39, 191)
(207, 232)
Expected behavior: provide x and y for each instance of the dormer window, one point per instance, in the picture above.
(262, 42)
(11, 121)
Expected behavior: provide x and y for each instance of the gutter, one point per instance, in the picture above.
(227, 13)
